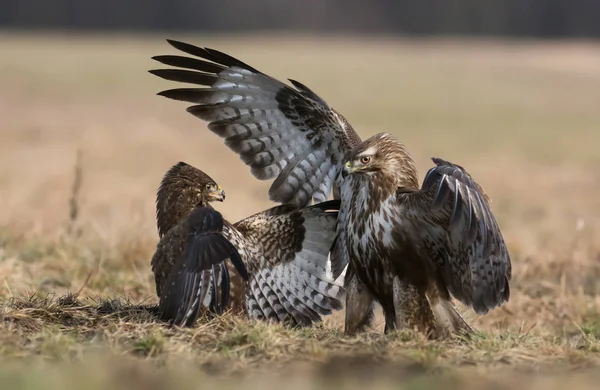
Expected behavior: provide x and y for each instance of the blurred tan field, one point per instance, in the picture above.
(522, 117)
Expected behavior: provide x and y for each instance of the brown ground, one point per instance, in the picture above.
(523, 118)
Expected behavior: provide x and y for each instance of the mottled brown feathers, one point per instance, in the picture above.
(182, 189)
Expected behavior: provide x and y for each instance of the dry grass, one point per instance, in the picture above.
(522, 117)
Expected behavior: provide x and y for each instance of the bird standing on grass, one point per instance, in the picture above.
(412, 247)
(189, 262)
(281, 252)
(405, 247)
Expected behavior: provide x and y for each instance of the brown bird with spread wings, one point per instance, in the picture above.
(407, 247)
(281, 252)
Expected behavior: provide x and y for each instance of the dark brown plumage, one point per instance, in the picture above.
(199, 269)
(293, 136)
(284, 250)
(189, 262)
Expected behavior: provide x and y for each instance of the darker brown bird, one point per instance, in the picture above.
(189, 263)
(284, 250)
(290, 134)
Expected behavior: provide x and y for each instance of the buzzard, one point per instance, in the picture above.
(404, 246)
(189, 263)
(411, 246)
(282, 252)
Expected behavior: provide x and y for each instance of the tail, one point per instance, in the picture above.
(292, 281)
(447, 314)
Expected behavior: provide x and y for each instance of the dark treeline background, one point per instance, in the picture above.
(529, 18)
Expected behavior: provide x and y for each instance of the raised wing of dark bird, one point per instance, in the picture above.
(199, 270)
(285, 133)
(451, 220)
(287, 251)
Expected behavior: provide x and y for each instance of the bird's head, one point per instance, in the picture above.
(213, 192)
(184, 188)
(382, 154)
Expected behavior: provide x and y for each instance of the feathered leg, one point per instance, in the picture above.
(413, 310)
(359, 304)
(390, 320)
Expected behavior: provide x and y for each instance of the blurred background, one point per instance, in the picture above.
(510, 18)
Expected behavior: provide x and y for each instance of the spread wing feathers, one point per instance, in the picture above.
(453, 221)
(262, 303)
(290, 135)
(194, 279)
(291, 278)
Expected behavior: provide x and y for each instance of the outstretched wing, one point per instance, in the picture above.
(283, 133)
(452, 220)
(290, 278)
(194, 279)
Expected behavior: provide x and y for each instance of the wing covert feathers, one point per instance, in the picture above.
(452, 215)
(291, 281)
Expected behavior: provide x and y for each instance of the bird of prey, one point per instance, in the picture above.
(412, 247)
(282, 252)
(408, 248)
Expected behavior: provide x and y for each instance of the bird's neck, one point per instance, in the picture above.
(408, 180)
(173, 208)
(370, 191)
(367, 192)
(403, 173)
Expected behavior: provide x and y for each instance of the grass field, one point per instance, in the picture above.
(522, 117)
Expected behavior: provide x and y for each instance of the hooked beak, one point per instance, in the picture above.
(218, 195)
(347, 170)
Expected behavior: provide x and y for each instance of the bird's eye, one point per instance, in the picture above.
(365, 159)
(209, 186)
